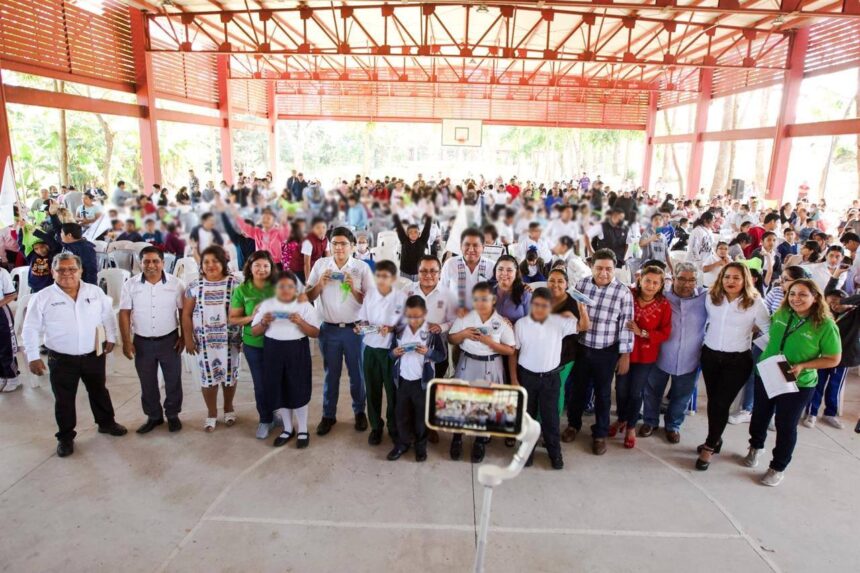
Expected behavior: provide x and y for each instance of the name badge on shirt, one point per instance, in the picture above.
(440, 304)
(496, 325)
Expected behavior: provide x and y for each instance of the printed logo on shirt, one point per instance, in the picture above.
(61, 303)
(496, 325)
(440, 304)
(423, 335)
(398, 309)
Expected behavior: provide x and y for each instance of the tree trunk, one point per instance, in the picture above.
(109, 137)
(825, 172)
(733, 144)
(675, 164)
(64, 139)
(761, 156)
(722, 167)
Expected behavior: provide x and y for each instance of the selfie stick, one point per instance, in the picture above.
(490, 476)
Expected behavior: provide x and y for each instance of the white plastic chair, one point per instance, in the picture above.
(111, 281)
(538, 284)
(169, 262)
(100, 246)
(21, 274)
(403, 283)
(232, 257)
(387, 247)
(184, 267)
(120, 246)
(123, 259)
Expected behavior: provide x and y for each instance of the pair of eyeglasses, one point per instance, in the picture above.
(427, 272)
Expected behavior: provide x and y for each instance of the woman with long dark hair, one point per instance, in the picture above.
(260, 276)
(735, 310)
(512, 299)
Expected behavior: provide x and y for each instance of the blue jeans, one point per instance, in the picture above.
(829, 386)
(336, 344)
(628, 392)
(254, 356)
(597, 367)
(680, 393)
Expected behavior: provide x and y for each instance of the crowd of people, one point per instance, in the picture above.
(566, 289)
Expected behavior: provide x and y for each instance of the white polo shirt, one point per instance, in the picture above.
(153, 306)
(382, 310)
(334, 304)
(412, 363)
(441, 305)
(539, 343)
(558, 229)
(497, 327)
(282, 328)
(69, 326)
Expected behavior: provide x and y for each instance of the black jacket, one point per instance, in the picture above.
(410, 252)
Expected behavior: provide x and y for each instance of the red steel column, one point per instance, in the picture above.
(145, 91)
(776, 177)
(700, 125)
(650, 122)
(273, 130)
(224, 109)
(5, 139)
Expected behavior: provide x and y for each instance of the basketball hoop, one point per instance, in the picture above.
(460, 138)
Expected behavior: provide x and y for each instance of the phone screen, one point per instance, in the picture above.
(494, 410)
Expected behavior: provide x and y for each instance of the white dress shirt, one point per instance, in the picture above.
(282, 328)
(730, 328)
(498, 328)
(412, 363)
(558, 229)
(539, 343)
(69, 326)
(441, 305)
(153, 306)
(381, 310)
(332, 305)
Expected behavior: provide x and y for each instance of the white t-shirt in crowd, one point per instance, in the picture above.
(412, 363)
(381, 310)
(539, 343)
(282, 328)
(497, 327)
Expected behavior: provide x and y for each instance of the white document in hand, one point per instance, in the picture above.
(775, 373)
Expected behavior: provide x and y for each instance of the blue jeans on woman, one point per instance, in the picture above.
(254, 356)
(628, 392)
(680, 393)
(829, 387)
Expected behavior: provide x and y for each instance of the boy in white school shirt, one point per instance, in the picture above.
(382, 309)
(535, 367)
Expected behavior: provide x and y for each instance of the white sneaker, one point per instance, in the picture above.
(742, 417)
(753, 455)
(771, 425)
(809, 422)
(11, 385)
(833, 421)
(263, 431)
(2, 384)
(772, 478)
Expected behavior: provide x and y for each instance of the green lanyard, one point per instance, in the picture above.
(789, 331)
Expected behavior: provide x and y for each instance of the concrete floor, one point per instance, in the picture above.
(227, 502)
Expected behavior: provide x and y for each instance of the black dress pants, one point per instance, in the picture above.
(725, 374)
(66, 372)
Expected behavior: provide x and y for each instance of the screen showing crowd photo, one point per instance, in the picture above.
(461, 407)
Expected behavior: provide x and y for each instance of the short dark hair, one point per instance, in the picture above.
(416, 301)
(253, 258)
(430, 258)
(849, 236)
(482, 286)
(768, 234)
(149, 250)
(386, 267)
(73, 229)
(206, 216)
(771, 217)
(343, 232)
(289, 275)
(317, 220)
(604, 254)
(788, 230)
(542, 292)
(471, 232)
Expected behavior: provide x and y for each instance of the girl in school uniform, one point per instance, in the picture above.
(286, 325)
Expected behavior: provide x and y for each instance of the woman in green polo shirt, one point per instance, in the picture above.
(802, 330)
(259, 284)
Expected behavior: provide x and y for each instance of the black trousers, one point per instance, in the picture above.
(598, 367)
(543, 391)
(150, 355)
(409, 411)
(786, 410)
(66, 372)
(725, 374)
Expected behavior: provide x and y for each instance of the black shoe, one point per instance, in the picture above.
(433, 436)
(717, 448)
(857, 427)
(360, 422)
(282, 439)
(398, 451)
(65, 448)
(557, 463)
(174, 424)
(530, 462)
(303, 440)
(150, 425)
(478, 452)
(510, 442)
(325, 425)
(114, 430)
(375, 437)
(456, 448)
(420, 455)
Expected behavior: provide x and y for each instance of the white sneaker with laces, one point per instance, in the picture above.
(741, 417)
(753, 455)
(772, 478)
(809, 422)
(833, 421)
(11, 384)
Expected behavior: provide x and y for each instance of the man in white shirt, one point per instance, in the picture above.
(441, 302)
(535, 366)
(382, 310)
(461, 274)
(78, 324)
(340, 283)
(149, 306)
(564, 226)
(534, 239)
